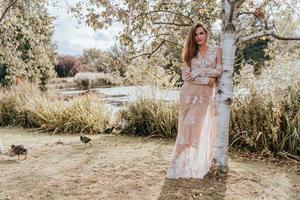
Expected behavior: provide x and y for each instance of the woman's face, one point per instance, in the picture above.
(200, 36)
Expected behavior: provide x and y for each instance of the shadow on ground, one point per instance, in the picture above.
(186, 189)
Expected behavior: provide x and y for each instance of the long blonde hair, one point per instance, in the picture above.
(190, 46)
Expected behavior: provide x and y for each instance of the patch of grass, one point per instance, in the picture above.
(269, 124)
(8, 110)
(93, 80)
(27, 107)
(82, 114)
(149, 117)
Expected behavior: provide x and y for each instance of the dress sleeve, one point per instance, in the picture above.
(211, 72)
(196, 79)
(217, 72)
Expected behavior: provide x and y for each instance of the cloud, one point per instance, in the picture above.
(72, 38)
(102, 36)
(67, 48)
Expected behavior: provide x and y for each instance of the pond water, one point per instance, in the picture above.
(116, 97)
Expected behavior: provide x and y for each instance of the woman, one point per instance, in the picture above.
(194, 147)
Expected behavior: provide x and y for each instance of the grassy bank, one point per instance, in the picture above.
(265, 124)
(27, 107)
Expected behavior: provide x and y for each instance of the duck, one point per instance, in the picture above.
(18, 150)
(85, 140)
(109, 130)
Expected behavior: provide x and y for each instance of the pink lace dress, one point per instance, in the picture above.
(194, 146)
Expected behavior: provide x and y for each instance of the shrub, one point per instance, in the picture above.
(149, 117)
(265, 114)
(26, 106)
(12, 101)
(262, 123)
(8, 110)
(83, 114)
(92, 80)
(67, 66)
(267, 123)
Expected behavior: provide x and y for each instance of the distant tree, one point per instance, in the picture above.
(25, 36)
(112, 61)
(67, 66)
(95, 60)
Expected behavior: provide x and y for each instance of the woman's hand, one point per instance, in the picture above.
(188, 76)
(211, 82)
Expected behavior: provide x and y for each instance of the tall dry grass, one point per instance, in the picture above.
(149, 117)
(268, 124)
(25, 106)
(265, 112)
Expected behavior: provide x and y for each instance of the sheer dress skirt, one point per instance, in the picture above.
(194, 146)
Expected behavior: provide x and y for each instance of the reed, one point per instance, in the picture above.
(149, 117)
(267, 123)
(32, 109)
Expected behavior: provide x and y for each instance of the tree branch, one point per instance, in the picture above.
(170, 23)
(154, 36)
(278, 37)
(247, 13)
(165, 11)
(292, 7)
(167, 39)
(172, 42)
(7, 9)
(231, 12)
(151, 53)
(160, 45)
(235, 5)
(262, 19)
(265, 33)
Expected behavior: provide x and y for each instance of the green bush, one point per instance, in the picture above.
(82, 114)
(149, 117)
(93, 80)
(27, 107)
(67, 66)
(8, 110)
(269, 124)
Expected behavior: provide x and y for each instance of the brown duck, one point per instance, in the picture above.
(18, 150)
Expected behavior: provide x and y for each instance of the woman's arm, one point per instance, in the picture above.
(217, 72)
(187, 76)
(213, 73)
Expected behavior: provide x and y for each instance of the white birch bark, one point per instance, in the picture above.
(224, 98)
(224, 92)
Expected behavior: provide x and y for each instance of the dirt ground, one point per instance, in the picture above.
(124, 167)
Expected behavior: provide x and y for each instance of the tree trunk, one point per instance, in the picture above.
(224, 92)
(224, 99)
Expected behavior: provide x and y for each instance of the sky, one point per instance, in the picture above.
(72, 38)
